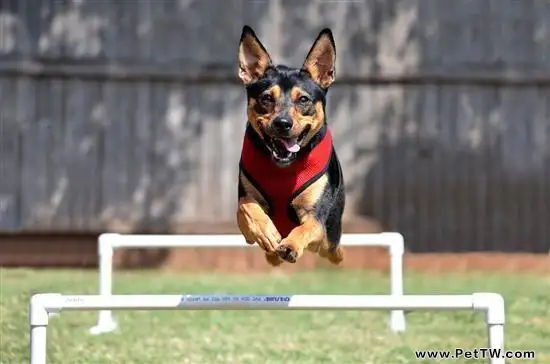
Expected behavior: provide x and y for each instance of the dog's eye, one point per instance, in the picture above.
(267, 99)
(303, 99)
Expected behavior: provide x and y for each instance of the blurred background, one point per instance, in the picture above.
(127, 116)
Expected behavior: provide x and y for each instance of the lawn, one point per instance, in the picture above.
(304, 337)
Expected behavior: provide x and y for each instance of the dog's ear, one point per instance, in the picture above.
(321, 59)
(253, 58)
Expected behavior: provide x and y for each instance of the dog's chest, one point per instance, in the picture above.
(283, 184)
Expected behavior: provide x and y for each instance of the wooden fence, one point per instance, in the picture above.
(127, 115)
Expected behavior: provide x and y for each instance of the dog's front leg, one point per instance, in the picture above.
(254, 223)
(258, 228)
(311, 231)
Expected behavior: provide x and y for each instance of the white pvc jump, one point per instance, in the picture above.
(43, 305)
(109, 242)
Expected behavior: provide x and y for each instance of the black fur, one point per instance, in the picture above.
(330, 206)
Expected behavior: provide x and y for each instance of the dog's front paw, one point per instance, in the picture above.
(288, 251)
(267, 236)
(335, 255)
(273, 259)
(258, 229)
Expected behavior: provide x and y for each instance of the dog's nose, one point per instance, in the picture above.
(282, 124)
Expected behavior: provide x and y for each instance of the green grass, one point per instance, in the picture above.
(304, 337)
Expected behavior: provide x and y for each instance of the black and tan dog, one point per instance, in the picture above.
(291, 189)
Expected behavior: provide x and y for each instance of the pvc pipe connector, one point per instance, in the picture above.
(42, 306)
(493, 304)
(105, 244)
(398, 245)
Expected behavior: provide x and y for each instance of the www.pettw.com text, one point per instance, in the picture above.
(480, 353)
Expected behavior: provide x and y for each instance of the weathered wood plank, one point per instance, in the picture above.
(85, 115)
(10, 158)
(542, 178)
(427, 166)
(119, 121)
(469, 169)
(51, 99)
(519, 161)
(141, 149)
(34, 161)
(171, 167)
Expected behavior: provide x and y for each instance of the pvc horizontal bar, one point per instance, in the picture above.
(229, 240)
(259, 302)
(43, 305)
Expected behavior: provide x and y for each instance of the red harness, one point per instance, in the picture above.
(279, 186)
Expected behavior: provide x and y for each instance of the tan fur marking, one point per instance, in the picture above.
(310, 233)
(256, 118)
(253, 117)
(296, 92)
(304, 203)
(253, 60)
(273, 259)
(255, 225)
(320, 61)
(301, 121)
(298, 122)
(276, 92)
(316, 121)
(252, 191)
(335, 257)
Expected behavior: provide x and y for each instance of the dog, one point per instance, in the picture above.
(291, 193)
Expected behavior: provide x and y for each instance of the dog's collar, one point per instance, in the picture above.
(259, 144)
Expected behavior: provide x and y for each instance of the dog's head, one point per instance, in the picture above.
(286, 106)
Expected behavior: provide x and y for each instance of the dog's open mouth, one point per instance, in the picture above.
(284, 150)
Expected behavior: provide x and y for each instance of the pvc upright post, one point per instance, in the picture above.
(396, 250)
(39, 314)
(38, 321)
(493, 306)
(105, 321)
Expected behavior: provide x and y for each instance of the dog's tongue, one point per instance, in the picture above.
(291, 145)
